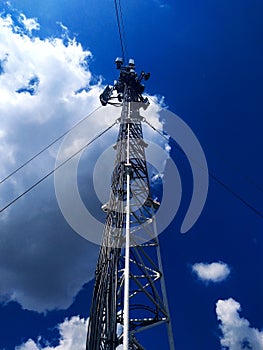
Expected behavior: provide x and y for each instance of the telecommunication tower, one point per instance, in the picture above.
(129, 293)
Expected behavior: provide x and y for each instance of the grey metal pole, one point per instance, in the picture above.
(127, 250)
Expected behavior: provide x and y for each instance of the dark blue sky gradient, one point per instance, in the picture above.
(206, 58)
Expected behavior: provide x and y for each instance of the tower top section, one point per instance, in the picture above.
(128, 87)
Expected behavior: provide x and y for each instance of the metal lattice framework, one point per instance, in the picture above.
(130, 209)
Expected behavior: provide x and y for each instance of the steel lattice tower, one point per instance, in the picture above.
(129, 292)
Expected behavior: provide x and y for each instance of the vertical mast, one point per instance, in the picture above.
(129, 295)
(127, 250)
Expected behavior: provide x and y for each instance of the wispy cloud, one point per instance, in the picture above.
(237, 333)
(213, 272)
(161, 3)
(29, 23)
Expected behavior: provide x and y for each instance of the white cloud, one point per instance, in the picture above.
(236, 331)
(61, 70)
(72, 336)
(29, 23)
(214, 272)
(45, 88)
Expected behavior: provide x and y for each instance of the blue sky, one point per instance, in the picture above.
(205, 58)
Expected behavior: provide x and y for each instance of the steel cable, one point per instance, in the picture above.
(56, 168)
(48, 146)
(213, 176)
(120, 28)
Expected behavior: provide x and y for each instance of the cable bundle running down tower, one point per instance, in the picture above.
(129, 292)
